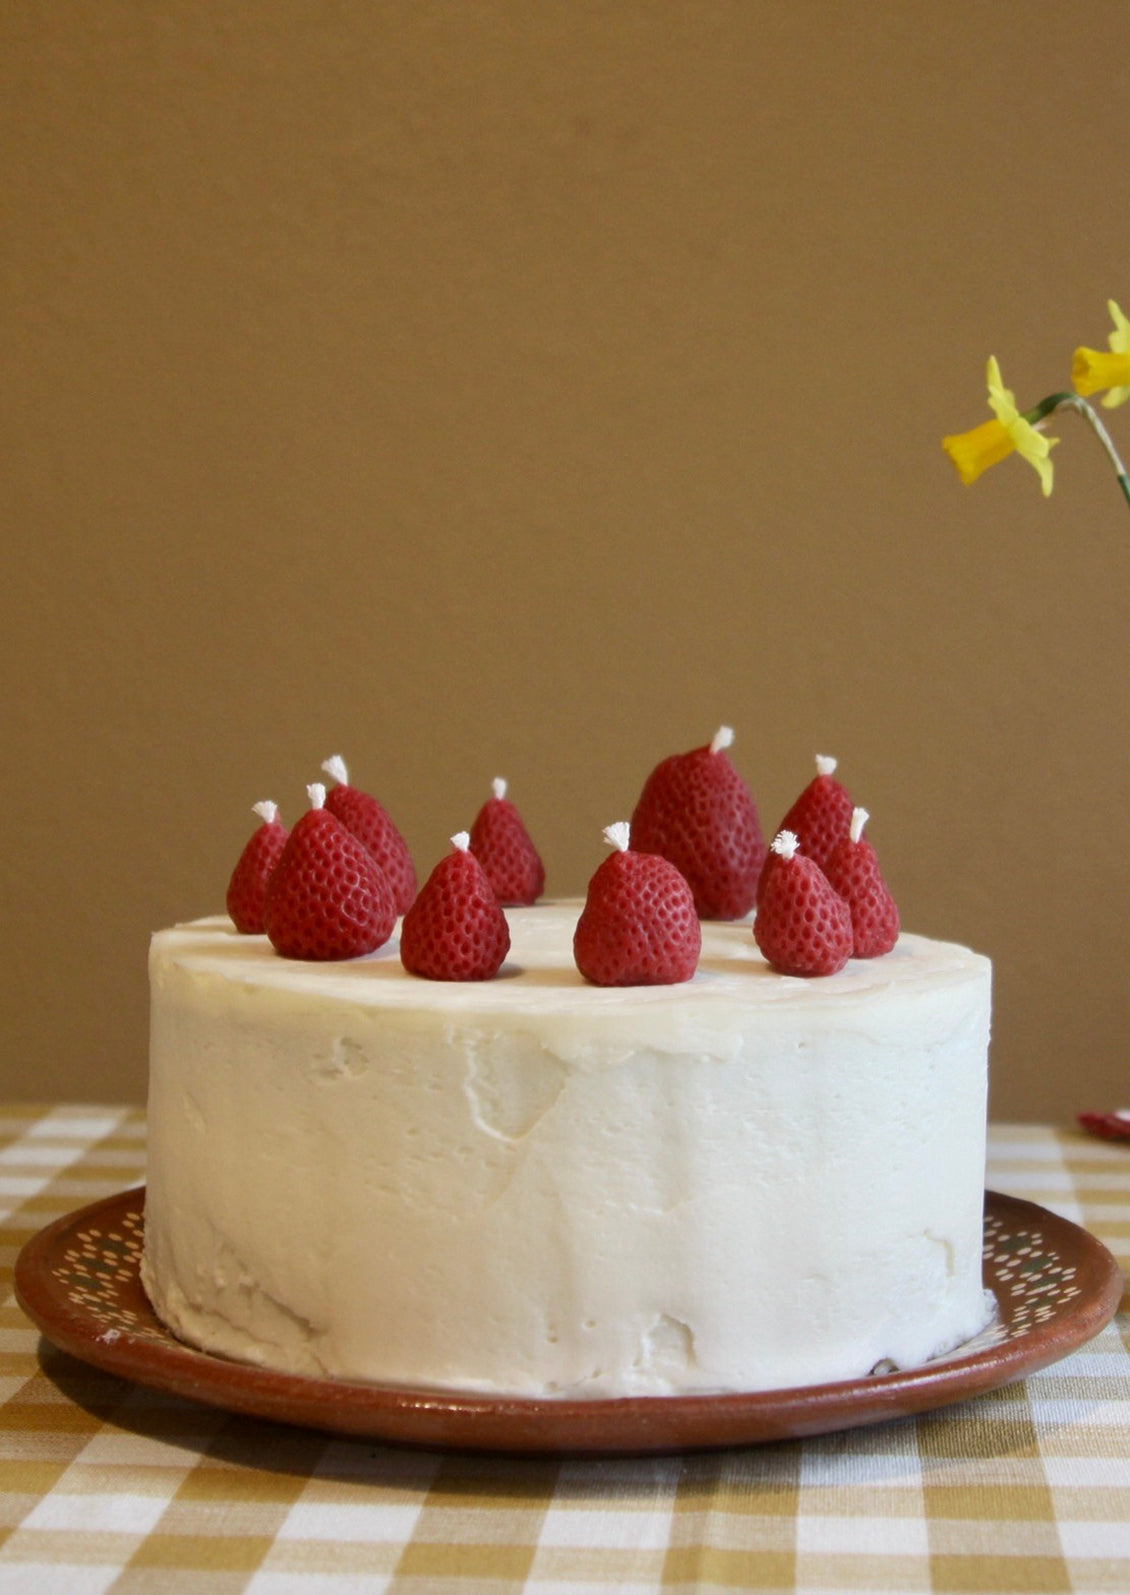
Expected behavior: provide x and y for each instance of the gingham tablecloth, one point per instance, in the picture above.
(107, 1486)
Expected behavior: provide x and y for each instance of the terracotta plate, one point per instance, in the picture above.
(1055, 1287)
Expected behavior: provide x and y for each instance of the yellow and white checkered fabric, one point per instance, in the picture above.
(105, 1486)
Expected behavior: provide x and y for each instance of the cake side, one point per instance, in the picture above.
(536, 1187)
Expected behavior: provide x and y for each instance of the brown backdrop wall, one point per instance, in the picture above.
(480, 388)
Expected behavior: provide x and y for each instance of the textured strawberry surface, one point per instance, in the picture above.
(327, 898)
(853, 871)
(802, 927)
(371, 824)
(510, 861)
(819, 818)
(639, 925)
(247, 889)
(697, 812)
(455, 930)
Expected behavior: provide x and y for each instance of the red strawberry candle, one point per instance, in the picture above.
(853, 871)
(696, 811)
(803, 927)
(502, 845)
(372, 825)
(455, 930)
(639, 926)
(247, 889)
(327, 898)
(821, 815)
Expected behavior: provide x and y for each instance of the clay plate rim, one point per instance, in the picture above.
(146, 1352)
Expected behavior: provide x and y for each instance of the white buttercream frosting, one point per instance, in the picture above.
(536, 1186)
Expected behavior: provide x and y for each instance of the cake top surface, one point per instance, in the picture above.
(539, 973)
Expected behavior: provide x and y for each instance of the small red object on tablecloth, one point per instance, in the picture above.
(1110, 1126)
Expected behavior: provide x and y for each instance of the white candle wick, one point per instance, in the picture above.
(461, 840)
(618, 835)
(859, 818)
(498, 787)
(316, 792)
(825, 765)
(267, 811)
(335, 766)
(723, 738)
(785, 844)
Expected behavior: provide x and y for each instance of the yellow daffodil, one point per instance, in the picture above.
(1092, 370)
(992, 441)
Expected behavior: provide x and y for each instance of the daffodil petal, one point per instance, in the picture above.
(1119, 339)
(1001, 400)
(1031, 444)
(1034, 447)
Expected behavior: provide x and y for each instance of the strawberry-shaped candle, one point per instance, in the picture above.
(697, 812)
(639, 926)
(821, 815)
(247, 889)
(502, 845)
(455, 930)
(327, 897)
(853, 871)
(802, 927)
(371, 823)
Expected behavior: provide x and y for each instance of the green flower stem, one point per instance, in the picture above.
(1072, 401)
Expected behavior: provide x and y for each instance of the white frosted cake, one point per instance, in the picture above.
(537, 1187)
